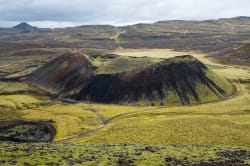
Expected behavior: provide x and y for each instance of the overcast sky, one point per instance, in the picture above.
(62, 13)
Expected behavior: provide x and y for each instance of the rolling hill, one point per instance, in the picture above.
(209, 36)
(238, 54)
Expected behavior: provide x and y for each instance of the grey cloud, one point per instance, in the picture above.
(75, 12)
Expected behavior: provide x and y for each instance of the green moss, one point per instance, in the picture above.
(205, 94)
(222, 82)
(172, 98)
(90, 155)
(121, 64)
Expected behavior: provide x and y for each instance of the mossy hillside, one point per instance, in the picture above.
(173, 81)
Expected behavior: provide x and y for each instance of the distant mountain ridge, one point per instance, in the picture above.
(25, 27)
(209, 36)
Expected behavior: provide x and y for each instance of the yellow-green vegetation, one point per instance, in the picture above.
(13, 87)
(22, 88)
(166, 53)
(121, 64)
(10, 115)
(109, 111)
(112, 155)
(18, 101)
(17, 96)
(23, 61)
(176, 129)
(7, 65)
(69, 119)
(221, 81)
(155, 53)
(219, 123)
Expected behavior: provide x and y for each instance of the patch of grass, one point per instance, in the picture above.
(9, 114)
(17, 102)
(122, 63)
(166, 53)
(221, 82)
(68, 154)
(174, 129)
(70, 120)
(13, 87)
(19, 95)
(218, 123)
(109, 110)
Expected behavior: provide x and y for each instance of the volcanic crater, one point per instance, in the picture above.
(181, 80)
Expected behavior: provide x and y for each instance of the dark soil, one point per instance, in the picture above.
(27, 131)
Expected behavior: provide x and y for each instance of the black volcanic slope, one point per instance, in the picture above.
(174, 81)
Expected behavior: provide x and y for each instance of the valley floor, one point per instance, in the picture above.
(198, 133)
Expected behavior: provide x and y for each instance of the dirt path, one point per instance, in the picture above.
(116, 37)
(104, 123)
(100, 117)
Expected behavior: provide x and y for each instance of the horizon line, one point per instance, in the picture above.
(117, 25)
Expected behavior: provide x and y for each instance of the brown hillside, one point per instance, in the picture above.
(238, 54)
(67, 71)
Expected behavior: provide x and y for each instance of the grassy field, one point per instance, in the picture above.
(70, 119)
(219, 123)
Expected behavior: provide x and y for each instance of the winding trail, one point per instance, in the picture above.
(105, 122)
(118, 34)
(100, 117)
